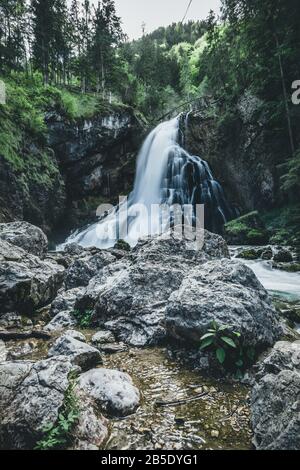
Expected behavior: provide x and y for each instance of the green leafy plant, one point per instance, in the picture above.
(59, 435)
(228, 347)
(84, 319)
(220, 339)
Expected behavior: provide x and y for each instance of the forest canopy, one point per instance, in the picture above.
(253, 47)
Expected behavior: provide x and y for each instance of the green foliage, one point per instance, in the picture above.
(248, 230)
(228, 347)
(291, 179)
(59, 435)
(84, 319)
(284, 225)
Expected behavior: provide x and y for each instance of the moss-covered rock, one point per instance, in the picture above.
(246, 230)
(288, 267)
(250, 254)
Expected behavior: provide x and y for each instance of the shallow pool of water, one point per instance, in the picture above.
(207, 415)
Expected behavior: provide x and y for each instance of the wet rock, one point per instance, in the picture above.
(60, 322)
(26, 282)
(24, 235)
(275, 399)
(229, 293)
(283, 256)
(84, 268)
(122, 245)
(267, 254)
(73, 249)
(250, 254)
(77, 352)
(102, 337)
(31, 395)
(112, 390)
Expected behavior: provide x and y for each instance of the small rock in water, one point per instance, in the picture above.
(215, 433)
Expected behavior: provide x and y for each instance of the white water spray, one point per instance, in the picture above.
(166, 174)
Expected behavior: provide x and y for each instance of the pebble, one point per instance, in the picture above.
(215, 433)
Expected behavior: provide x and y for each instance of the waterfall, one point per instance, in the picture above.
(166, 174)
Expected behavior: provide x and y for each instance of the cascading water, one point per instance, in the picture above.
(166, 175)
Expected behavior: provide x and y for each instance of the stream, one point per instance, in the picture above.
(213, 415)
(279, 283)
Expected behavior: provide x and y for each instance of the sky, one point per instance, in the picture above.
(157, 13)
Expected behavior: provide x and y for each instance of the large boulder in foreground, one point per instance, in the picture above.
(26, 282)
(130, 296)
(33, 395)
(275, 399)
(113, 391)
(229, 293)
(24, 235)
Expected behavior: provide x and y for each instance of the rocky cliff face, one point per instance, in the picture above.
(242, 151)
(86, 162)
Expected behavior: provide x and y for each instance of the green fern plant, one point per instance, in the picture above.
(84, 319)
(59, 435)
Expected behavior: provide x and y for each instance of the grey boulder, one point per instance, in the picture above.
(26, 282)
(275, 399)
(102, 337)
(77, 352)
(81, 271)
(229, 293)
(24, 235)
(130, 296)
(60, 322)
(31, 396)
(113, 391)
(65, 300)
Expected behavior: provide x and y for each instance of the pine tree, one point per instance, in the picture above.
(107, 33)
(43, 17)
(12, 44)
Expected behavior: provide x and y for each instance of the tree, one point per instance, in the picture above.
(107, 34)
(43, 28)
(12, 37)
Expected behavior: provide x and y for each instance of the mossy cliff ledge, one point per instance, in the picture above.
(62, 154)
